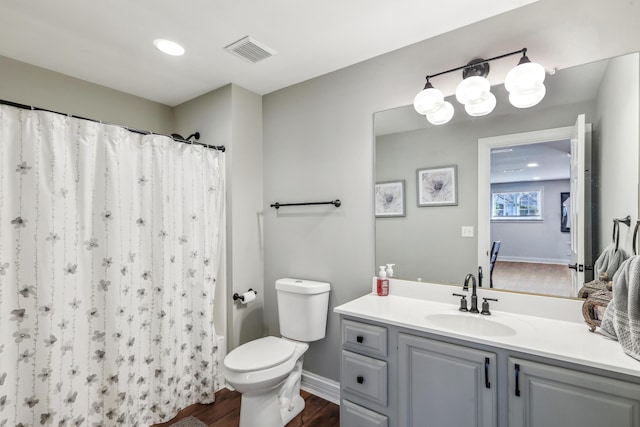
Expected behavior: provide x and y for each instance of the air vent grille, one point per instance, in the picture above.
(250, 50)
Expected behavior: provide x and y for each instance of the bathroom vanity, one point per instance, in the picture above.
(413, 359)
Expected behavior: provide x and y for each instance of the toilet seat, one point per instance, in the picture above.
(259, 354)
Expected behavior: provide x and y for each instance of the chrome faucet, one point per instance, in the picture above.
(474, 295)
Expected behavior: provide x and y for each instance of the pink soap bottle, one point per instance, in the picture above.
(382, 284)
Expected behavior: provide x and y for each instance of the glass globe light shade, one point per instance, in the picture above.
(481, 108)
(524, 77)
(428, 100)
(473, 90)
(442, 115)
(529, 98)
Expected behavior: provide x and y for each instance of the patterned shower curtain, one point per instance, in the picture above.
(110, 246)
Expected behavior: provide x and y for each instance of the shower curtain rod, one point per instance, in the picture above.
(141, 132)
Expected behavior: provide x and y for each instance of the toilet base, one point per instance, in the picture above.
(298, 406)
(264, 410)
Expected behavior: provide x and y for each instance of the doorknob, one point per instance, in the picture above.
(573, 266)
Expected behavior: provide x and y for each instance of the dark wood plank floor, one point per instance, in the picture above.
(225, 412)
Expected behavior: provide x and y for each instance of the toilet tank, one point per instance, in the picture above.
(302, 309)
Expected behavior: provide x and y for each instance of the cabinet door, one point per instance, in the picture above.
(445, 385)
(541, 396)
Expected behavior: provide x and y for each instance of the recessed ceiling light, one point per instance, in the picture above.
(532, 165)
(536, 178)
(168, 47)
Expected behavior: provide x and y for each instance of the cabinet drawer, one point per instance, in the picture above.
(364, 377)
(352, 415)
(359, 337)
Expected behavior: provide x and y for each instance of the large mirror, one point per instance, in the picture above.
(441, 243)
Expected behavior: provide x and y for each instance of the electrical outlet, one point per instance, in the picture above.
(467, 231)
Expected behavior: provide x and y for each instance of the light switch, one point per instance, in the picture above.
(467, 231)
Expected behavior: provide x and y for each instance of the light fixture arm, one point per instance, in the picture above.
(524, 83)
(523, 51)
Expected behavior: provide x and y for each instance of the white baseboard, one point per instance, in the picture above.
(321, 387)
(533, 260)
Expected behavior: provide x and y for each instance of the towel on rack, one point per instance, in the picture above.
(609, 261)
(621, 319)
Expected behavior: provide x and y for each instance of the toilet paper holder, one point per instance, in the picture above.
(237, 296)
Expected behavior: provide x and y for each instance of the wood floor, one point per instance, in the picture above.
(553, 279)
(225, 412)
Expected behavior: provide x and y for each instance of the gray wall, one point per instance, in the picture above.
(232, 116)
(210, 114)
(26, 84)
(318, 140)
(245, 218)
(534, 241)
(616, 168)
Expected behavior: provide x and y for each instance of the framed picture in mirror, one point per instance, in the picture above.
(437, 186)
(565, 212)
(389, 199)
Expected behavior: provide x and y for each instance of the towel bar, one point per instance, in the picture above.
(335, 203)
(616, 228)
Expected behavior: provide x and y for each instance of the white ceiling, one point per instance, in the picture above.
(531, 162)
(110, 42)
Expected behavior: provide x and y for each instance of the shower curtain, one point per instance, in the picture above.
(110, 246)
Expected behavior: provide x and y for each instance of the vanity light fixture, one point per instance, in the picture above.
(168, 47)
(524, 84)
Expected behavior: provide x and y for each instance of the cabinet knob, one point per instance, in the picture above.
(360, 379)
(360, 339)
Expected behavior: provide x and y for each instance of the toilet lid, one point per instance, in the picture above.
(259, 354)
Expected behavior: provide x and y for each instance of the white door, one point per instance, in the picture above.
(577, 195)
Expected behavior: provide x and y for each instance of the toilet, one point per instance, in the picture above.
(267, 371)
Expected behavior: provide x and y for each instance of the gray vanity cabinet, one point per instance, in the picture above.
(392, 376)
(443, 384)
(364, 376)
(541, 395)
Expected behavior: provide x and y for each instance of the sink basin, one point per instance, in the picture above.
(473, 324)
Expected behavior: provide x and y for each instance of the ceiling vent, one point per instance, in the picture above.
(250, 50)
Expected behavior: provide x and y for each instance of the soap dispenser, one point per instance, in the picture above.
(390, 270)
(382, 285)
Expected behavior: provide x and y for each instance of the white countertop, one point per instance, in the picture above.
(564, 340)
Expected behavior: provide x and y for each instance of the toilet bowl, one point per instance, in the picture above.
(268, 371)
